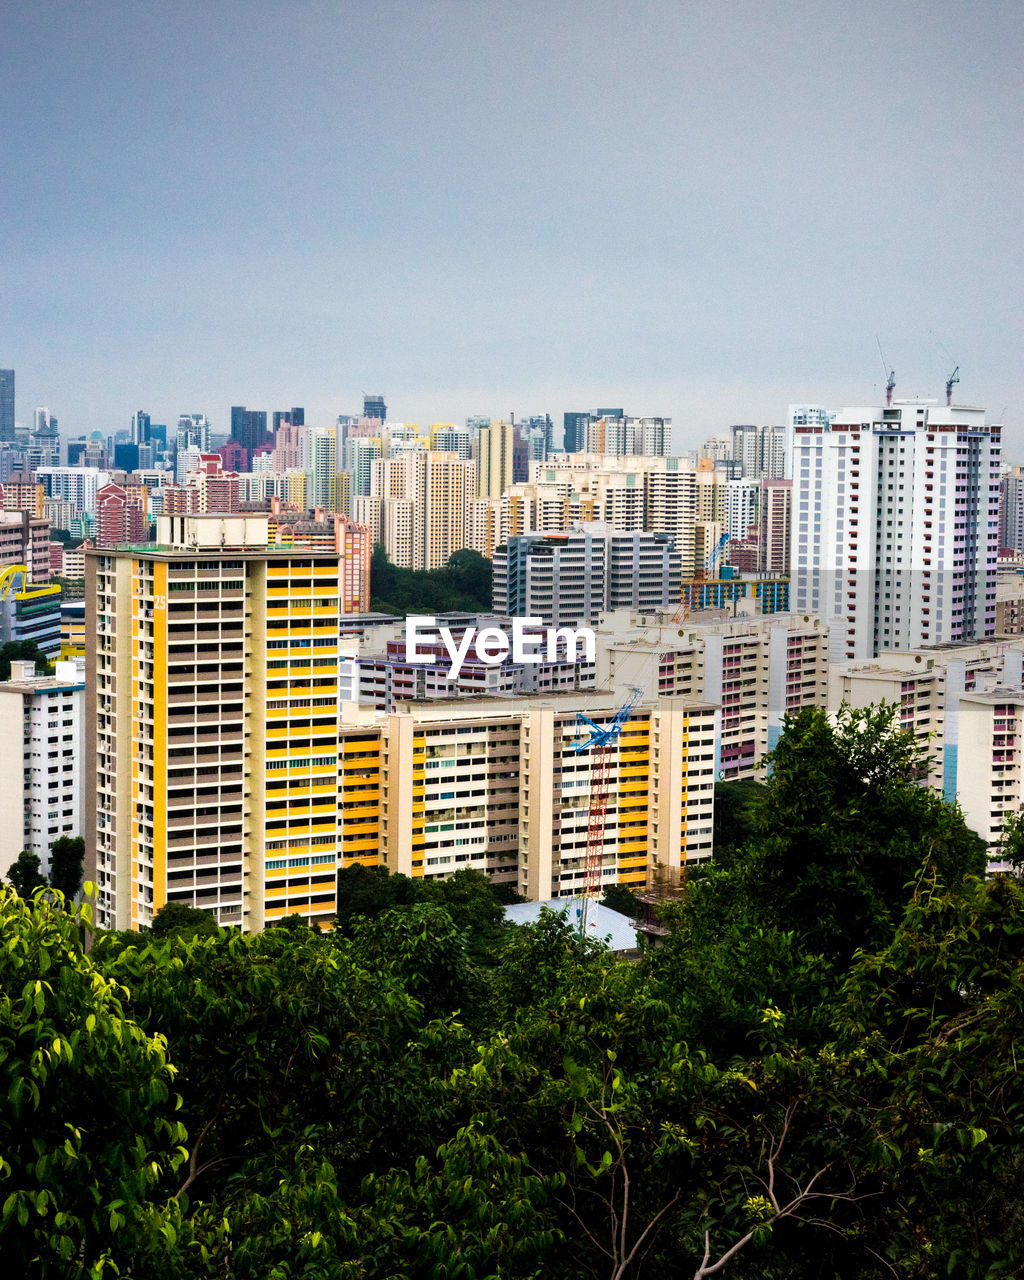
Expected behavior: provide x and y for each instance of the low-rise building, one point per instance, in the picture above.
(42, 740)
(386, 676)
(1010, 602)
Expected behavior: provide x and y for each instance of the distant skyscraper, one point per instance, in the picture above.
(45, 424)
(374, 407)
(539, 425)
(249, 428)
(638, 437)
(322, 447)
(126, 456)
(140, 428)
(575, 431)
(360, 453)
(193, 431)
(7, 404)
(520, 455)
(760, 450)
(1011, 510)
(445, 437)
(776, 518)
(495, 445)
(296, 416)
(44, 442)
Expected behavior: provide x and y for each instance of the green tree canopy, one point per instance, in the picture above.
(844, 827)
(178, 917)
(88, 1134)
(463, 584)
(799, 1081)
(24, 874)
(67, 856)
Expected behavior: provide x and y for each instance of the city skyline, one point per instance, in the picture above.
(701, 214)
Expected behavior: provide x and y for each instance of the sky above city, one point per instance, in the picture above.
(705, 211)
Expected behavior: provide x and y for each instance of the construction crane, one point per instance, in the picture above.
(691, 592)
(600, 743)
(951, 382)
(890, 374)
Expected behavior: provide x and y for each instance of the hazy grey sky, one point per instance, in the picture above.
(701, 210)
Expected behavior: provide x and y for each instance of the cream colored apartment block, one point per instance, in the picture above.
(398, 519)
(754, 670)
(989, 771)
(423, 500)
(485, 527)
(494, 449)
(926, 685)
(1009, 602)
(368, 511)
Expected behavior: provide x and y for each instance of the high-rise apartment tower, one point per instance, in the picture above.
(896, 525)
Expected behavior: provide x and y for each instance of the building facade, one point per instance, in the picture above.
(42, 741)
(754, 670)
(895, 525)
(571, 578)
(418, 506)
(214, 693)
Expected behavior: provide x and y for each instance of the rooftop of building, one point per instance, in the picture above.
(68, 676)
(631, 628)
(486, 706)
(599, 923)
(167, 551)
(1001, 693)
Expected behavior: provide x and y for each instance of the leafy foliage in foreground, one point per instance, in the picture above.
(815, 1075)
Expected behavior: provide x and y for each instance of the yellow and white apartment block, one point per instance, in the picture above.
(497, 785)
(213, 695)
